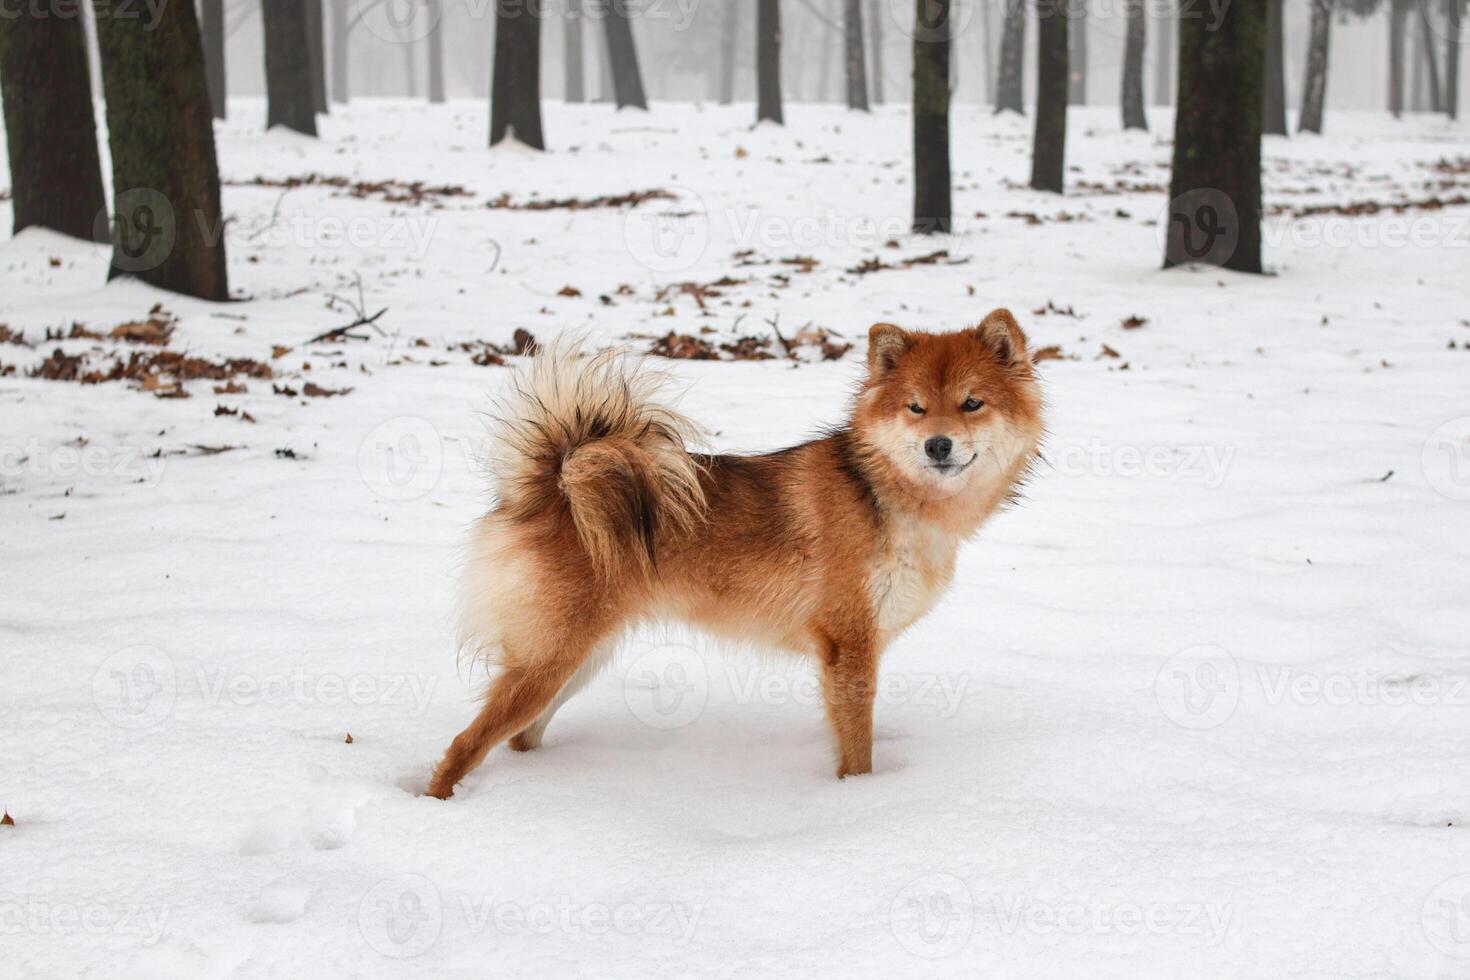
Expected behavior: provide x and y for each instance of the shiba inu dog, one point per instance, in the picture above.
(830, 549)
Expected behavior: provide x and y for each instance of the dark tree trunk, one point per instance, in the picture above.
(1048, 151)
(1215, 189)
(857, 64)
(515, 92)
(166, 216)
(316, 53)
(288, 87)
(1429, 58)
(1455, 11)
(575, 67)
(212, 26)
(875, 29)
(1273, 109)
(1398, 11)
(729, 35)
(622, 56)
(1010, 85)
(768, 61)
(340, 16)
(1133, 114)
(1164, 48)
(436, 50)
(931, 117)
(1077, 52)
(51, 132)
(1314, 85)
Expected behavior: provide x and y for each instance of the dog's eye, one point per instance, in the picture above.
(972, 405)
(916, 408)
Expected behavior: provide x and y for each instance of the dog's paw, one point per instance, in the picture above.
(524, 742)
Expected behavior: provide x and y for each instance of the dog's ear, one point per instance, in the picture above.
(1000, 332)
(886, 344)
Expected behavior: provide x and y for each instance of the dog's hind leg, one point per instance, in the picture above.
(529, 737)
(517, 697)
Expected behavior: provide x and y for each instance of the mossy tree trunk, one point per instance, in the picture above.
(768, 61)
(1048, 149)
(1133, 47)
(50, 129)
(932, 208)
(1314, 84)
(515, 91)
(166, 223)
(1215, 189)
(288, 88)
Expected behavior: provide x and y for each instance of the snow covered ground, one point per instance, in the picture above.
(1200, 707)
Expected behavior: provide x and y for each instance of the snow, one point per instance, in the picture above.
(1198, 706)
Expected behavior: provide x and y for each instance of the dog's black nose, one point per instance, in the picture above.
(938, 447)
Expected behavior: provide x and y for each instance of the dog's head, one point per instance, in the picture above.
(951, 410)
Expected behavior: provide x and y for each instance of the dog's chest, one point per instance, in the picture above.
(913, 567)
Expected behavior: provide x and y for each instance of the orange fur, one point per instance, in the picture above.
(828, 549)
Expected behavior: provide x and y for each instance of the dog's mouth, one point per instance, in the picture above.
(950, 467)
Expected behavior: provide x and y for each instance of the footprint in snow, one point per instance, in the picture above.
(280, 902)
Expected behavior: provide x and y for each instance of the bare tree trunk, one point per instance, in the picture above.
(1077, 52)
(515, 91)
(166, 221)
(1010, 85)
(1397, 15)
(729, 34)
(1455, 11)
(51, 131)
(875, 28)
(1048, 149)
(857, 64)
(340, 15)
(1429, 58)
(212, 27)
(1215, 189)
(1314, 87)
(622, 56)
(987, 52)
(288, 67)
(932, 206)
(316, 54)
(571, 38)
(824, 70)
(768, 61)
(1273, 111)
(410, 46)
(435, 54)
(1133, 113)
(1164, 47)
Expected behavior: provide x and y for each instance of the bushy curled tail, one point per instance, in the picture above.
(586, 433)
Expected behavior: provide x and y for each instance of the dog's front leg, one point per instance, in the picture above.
(850, 684)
